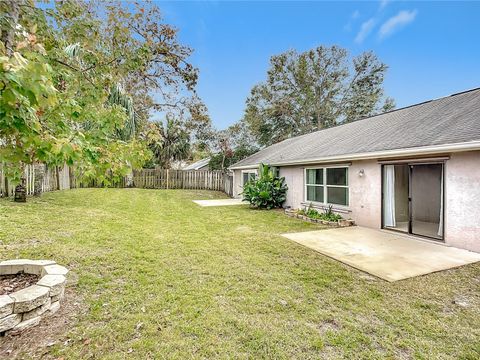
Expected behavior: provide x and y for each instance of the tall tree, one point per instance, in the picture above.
(28, 131)
(231, 145)
(316, 89)
(168, 142)
(79, 80)
(133, 44)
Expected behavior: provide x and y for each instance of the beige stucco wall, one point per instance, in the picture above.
(294, 178)
(462, 204)
(365, 192)
(237, 183)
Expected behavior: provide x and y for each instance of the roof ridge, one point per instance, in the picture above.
(420, 103)
(388, 112)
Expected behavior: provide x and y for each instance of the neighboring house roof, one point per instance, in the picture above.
(198, 164)
(178, 165)
(450, 123)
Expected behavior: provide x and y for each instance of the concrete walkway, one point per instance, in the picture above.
(384, 254)
(219, 202)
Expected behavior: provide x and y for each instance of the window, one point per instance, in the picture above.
(315, 188)
(276, 171)
(327, 185)
(248, 175)
(337, 186)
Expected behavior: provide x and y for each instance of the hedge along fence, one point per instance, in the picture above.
(63, 178)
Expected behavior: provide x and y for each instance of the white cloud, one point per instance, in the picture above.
(365, 29)
(403, 18)
(383, 3)
(355, 15)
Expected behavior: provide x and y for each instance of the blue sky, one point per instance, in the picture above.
(432, 48)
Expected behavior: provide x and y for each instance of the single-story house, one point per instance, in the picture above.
(415, 170)
(199, 165)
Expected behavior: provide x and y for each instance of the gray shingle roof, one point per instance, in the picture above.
(198, 164)
(448, 120)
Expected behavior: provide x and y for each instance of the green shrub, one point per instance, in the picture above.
(330, 215)
(267, 191)
(311, 213)
(327, 215)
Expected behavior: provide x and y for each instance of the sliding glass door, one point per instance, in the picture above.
(413, 198)
(427, 200)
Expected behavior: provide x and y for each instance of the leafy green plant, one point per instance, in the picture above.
(266, 192)
(327, 215)
(312, 213)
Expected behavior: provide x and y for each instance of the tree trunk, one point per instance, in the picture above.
(20, 190)
(57, 173)
(6, 187)
(223, 162)
(8, 34)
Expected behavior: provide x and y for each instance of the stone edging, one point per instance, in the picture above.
(339, 223)
(26, 307)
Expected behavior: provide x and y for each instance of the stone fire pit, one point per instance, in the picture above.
(26, 307)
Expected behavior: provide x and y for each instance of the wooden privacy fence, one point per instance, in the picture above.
(62, 178)
(54, 178)
(179, 179)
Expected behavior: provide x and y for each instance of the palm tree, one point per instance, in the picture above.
(173, 143)
(117, 94)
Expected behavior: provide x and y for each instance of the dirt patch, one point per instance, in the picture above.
(243, 229)
(329, 325)
(25, 244)
(11, 283)
(52, 331)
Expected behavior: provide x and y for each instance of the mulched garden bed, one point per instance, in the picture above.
(11, 283)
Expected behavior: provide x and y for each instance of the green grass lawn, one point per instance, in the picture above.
(160, 277)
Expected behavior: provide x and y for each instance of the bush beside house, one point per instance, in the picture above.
(268, 191)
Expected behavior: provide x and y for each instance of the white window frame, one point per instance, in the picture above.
(325, 186)
(249, 171)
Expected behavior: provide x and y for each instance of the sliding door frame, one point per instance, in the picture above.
(411, 163)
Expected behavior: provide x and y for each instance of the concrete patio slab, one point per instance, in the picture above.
(384, 254)
(219, 202)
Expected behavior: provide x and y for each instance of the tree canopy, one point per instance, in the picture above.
(79, 81)
(168, 142)
(312, 90)
(232, 145)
